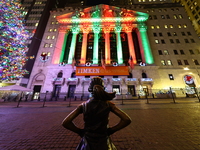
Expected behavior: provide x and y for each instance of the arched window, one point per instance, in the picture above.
(144, 75)
(73, 75)
(60, 74)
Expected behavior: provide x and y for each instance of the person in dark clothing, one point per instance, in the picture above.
(96, 132)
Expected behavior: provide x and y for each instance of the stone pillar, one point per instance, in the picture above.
(119, 44)
(128, 29)
(96, 30)
(84, 45)
(64, 46)
(59, 46)
(144, 44)
(75, 31)
(107, 44)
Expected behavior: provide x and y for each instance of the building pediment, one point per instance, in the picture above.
(102, 13)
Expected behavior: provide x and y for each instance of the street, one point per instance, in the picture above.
(160, 124)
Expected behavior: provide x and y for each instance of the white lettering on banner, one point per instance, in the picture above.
(88, 70)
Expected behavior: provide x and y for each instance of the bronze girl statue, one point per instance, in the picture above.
(96, 132)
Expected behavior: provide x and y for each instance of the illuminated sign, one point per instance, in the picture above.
(98, 70)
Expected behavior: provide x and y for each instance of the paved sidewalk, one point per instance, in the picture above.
(159, 125)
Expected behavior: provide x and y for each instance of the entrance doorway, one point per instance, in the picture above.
(56, 91)
(145, 89)
(71, 90)
(36, 92)
(116, 88)
(131, 90)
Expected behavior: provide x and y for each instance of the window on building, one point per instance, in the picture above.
(163, 62)
(175, 16)
(50, 30)
(186, 62)
(182, 52)
(157, 41)
(52, 22)
(154, 34)
(48, 37)
(46, 45)
(154, 17)
(193, 12)
(166, 52)
(51, 45)
(171, 76)
(192, 40)
(167, 16)
(171, 26)
(189, 33)
(197, 51)
(171, 40)
(169, 34)
(191, 52)
(152, 27)
(197, 8)
(158, 27)
(162, 16)
(174, 34)
(160, 52)
(186, 40)
(179, 26)
(165, 26)
(179, 62)
(55, 30)
(180, 16)
(53, 37)
(195, 62)
(185, 26)
(169, 62)
(59, 75)
(150, 17)
(183, 33)
(177, 41)
(175, 52)
(163, 41)
(160, 34)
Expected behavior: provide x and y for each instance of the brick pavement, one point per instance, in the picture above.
(159, 125)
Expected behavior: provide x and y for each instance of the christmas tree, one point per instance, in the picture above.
(13, 38)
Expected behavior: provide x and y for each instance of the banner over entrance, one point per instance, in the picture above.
(99, 71)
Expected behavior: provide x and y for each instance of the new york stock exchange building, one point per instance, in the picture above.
(105, 41)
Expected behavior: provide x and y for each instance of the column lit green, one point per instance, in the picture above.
(119, 45)
(63, 47)
(145, 43)
(96, 30)
(75, 31)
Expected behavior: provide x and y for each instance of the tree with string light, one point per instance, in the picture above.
(13, 38)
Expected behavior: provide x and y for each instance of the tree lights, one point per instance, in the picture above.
(12, 41)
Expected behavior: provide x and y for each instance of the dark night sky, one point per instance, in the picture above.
(97, 2)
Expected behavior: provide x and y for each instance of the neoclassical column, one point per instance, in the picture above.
(128, 30)
(59, 45)
(96, 30)
(119, 44)
(64, 46)
(75, 31)
(144, 44)
(84, 45)
(107, 44)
